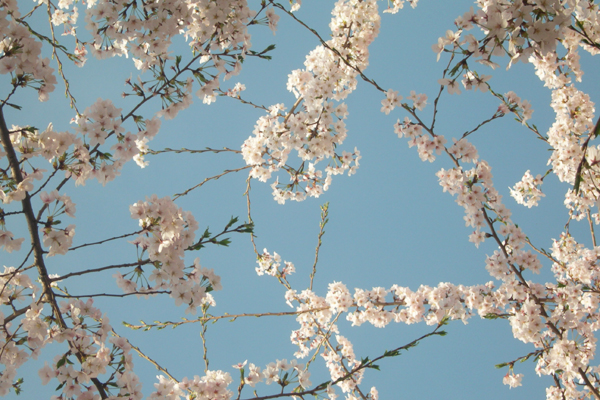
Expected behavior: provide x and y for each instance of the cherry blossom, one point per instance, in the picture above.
(297, 147)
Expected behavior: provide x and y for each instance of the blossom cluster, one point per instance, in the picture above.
(21, 54)
(96, 124)
(119, 29)
(17, 286)
(559, 319)
(85, 161)
(90, 351)
(527, 192)
(513, 103)
(532, 309)
(317, 316)
(78, 157)
(8, 242)
(317, 128)
(91, 354)
(427, 148)
(269, 264)
(520, 302)
(213, 385)
(168, 232)
(217, 30)
(574, 120)
(546, 315)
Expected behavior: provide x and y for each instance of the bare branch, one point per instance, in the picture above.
(89, 271)
(107, 240)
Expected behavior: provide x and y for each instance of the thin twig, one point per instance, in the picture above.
(227, 171)
(144, 356)
(89, 271)
(589, 218)
(69, 296)
(231, 317)
(324, 220)
(184, 150)
(247, 194)
(203, 337)
(106, 240)
(327, 46)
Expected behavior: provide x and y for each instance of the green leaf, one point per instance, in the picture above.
(21, 341)
(322, 386)
(262, 53)
(225, 242)
(246, 228)
(201, 77)
(491, 316)
(393, 353)
(597, 129)
(578, 180)
(61, 362)
(232, 221)
(197, 246)
(17, 386)
(460, 65)
(269, 48)
(501, 365)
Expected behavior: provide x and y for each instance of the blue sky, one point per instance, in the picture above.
(389, 224)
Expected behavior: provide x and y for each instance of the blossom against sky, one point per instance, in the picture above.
(390, 222)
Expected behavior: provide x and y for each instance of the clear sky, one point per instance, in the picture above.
(389, 224)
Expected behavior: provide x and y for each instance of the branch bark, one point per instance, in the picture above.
(38, 253)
